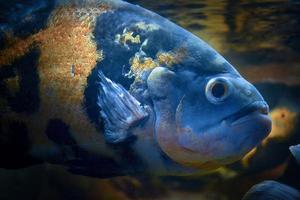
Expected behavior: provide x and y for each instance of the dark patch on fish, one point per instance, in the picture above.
(7, 72)
(2, 39)
(90, 100)
(14, 144)
(75, 158)
(25, 18)
(59, 132)
(95, 166)
(131, 161)
(26, 99)
(5, 94)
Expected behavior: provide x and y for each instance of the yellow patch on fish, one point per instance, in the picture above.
(141, 63)
(66, 43)
(126, 37)
(171, 57)
(167, 58)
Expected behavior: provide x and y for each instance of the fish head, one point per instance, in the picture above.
(207, 114)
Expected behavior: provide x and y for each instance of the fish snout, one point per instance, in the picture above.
(264, 108)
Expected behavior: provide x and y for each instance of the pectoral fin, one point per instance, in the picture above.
(119, 109)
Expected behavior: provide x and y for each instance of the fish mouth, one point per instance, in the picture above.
(259, 108)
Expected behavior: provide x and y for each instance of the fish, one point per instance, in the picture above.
(107, 88)
(295, 150)
(272, 190)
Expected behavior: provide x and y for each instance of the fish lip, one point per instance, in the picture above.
(257, 107)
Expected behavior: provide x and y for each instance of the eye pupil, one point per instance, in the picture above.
(218, 90)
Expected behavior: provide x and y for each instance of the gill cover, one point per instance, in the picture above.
(166, 98)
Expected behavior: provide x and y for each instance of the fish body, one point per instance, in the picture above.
(108, 88)
(272, 190)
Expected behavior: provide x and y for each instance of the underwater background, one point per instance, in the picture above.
(261, 39)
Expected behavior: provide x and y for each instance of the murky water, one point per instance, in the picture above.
(261, 38)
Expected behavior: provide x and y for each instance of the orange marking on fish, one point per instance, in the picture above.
(66, 41)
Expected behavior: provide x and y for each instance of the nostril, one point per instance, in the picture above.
(248, 92)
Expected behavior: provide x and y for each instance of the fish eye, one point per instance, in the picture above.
(217, 90)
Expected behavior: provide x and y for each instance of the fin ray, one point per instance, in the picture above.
(119, 109)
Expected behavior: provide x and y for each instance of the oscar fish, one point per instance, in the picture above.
(108, 88)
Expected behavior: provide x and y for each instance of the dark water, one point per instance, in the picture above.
(262, 40)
